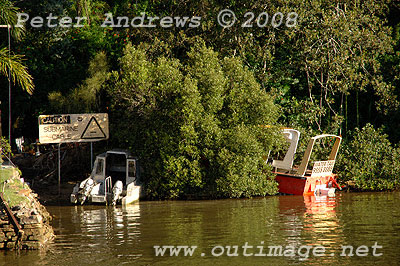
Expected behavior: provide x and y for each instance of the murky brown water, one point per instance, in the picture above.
(99, 235)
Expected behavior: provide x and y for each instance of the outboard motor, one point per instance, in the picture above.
(117, 191)
(85, 191)
(74, 194)
(323, 190)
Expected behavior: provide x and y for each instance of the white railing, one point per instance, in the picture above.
(322, 168)
(107, 185)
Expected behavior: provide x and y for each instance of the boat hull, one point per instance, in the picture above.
(290, 184)
(304, 185)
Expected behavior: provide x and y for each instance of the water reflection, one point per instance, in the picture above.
(108, 222)
(323, 226)
(96, 233)
(312, 220)
(100, 235)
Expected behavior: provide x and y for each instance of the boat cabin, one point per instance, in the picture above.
(119, 164)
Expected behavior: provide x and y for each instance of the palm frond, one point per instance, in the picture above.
(8, 16)
(19, 72)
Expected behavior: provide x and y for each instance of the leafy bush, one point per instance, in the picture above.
(195, 123)
(370, 161)
(85, 97)
(5, 147)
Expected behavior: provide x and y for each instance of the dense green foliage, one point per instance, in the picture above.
(195, 123)
(5, 148)
(193, 113)
(370, 161)
(85, 97)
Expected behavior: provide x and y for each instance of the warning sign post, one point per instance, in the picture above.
(73, 128)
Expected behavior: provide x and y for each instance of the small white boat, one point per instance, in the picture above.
(114, 179)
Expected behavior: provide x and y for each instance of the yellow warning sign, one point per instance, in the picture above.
(93, 130)
(73, 128)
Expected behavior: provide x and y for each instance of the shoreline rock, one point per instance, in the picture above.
(32, 217)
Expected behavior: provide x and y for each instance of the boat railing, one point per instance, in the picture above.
(108, 185)
(320, 167)
(323, 168)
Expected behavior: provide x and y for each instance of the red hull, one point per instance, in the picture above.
(289, 184)
(298, 185)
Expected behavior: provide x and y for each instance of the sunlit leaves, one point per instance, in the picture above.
(370, 161)
(195, 123)
(10, 61)
(19, 72)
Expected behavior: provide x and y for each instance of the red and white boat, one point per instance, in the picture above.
(300, 181)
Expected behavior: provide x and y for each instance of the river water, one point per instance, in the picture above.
(279, 230)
